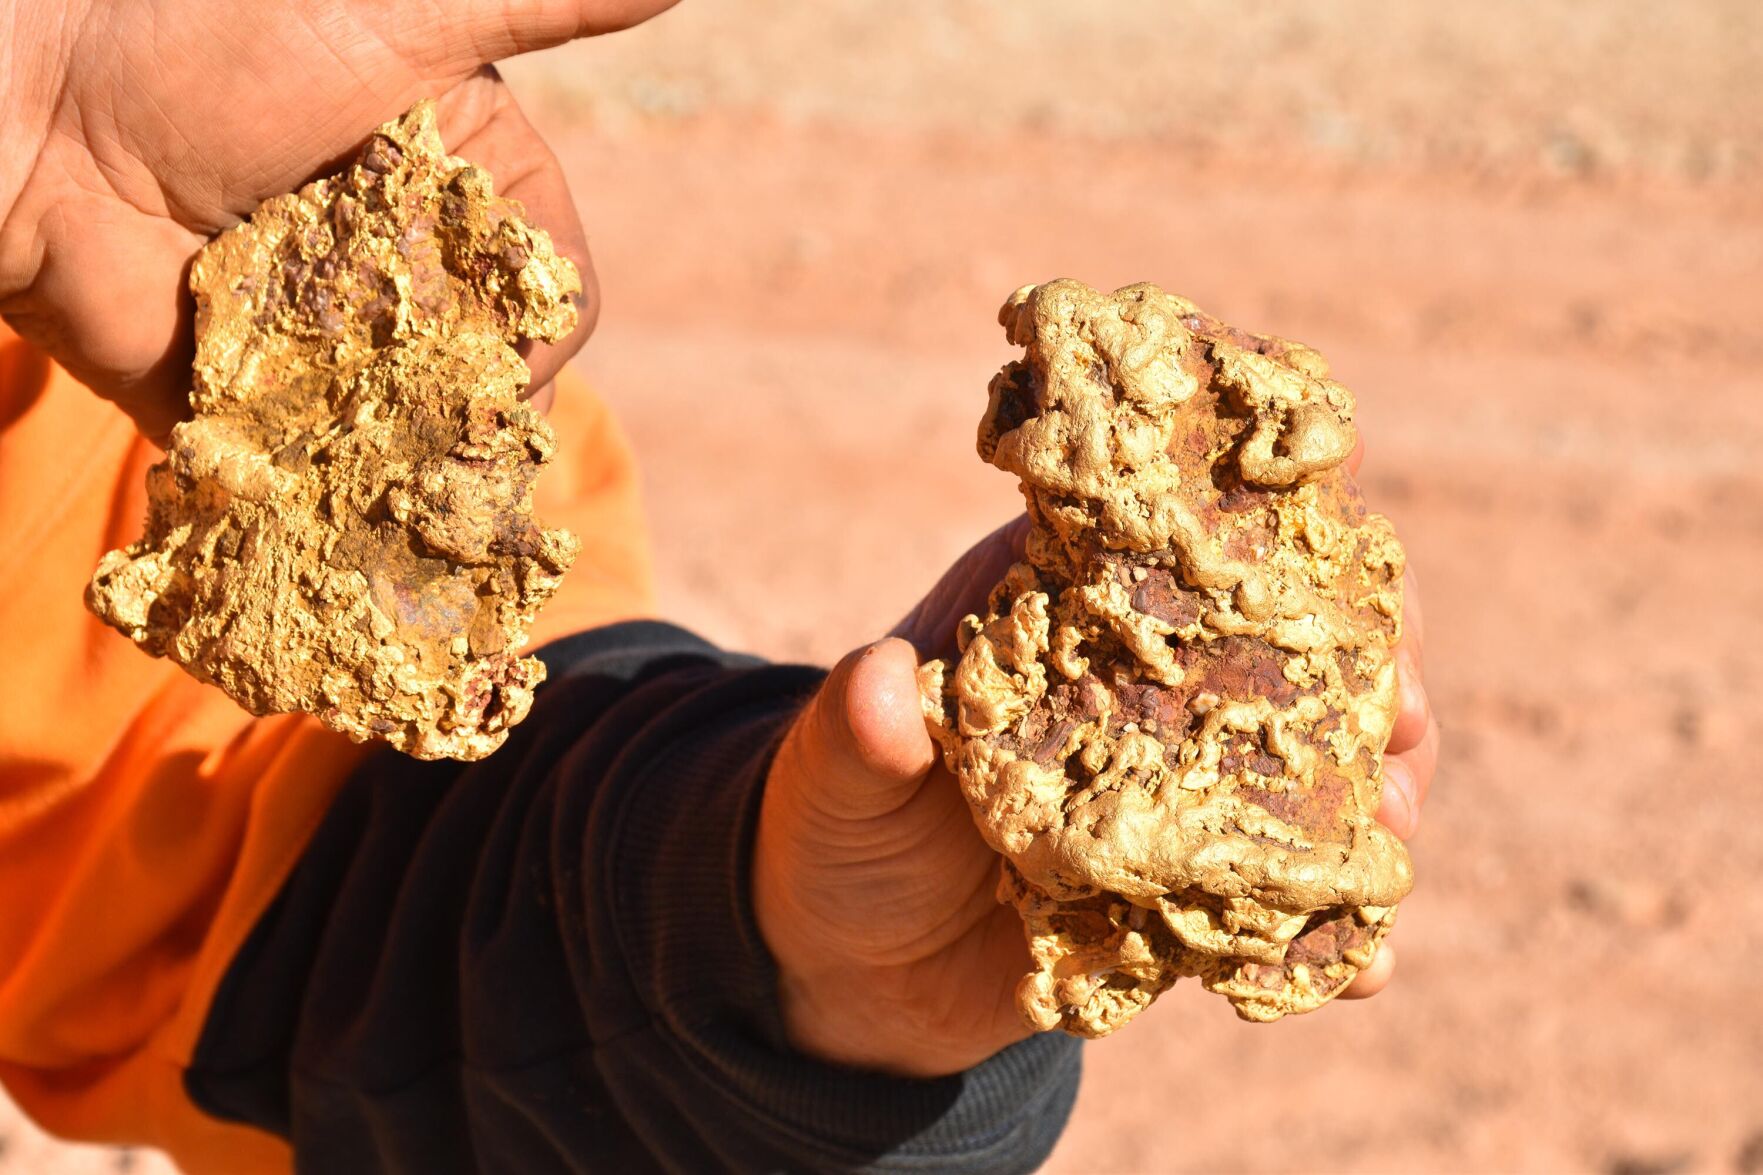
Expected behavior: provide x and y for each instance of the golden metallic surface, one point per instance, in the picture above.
(1171, 718)
(345, 527)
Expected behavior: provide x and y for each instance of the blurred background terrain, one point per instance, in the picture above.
(1529, 235)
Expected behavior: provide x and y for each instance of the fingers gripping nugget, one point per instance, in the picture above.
(345, 528)
(1171, 719)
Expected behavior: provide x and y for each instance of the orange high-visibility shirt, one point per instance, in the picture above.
(145, 820)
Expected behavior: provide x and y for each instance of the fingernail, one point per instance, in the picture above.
(1398, 782)
(1413, 689)
(1406, 668)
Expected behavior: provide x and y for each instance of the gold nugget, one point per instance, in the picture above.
(1171, 719)
(345, 527)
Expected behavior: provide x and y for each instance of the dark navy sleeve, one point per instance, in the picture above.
(547, 960)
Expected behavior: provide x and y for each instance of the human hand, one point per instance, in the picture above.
(137, 129)
(875, 891)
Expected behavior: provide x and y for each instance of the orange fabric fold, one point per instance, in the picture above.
(146, 821)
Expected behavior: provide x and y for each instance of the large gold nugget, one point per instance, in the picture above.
(1171, 718)
(345, 528)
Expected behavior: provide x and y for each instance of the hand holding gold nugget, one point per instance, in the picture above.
(1171, 718)
(345, 527)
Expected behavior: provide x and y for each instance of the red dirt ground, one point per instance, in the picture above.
(1528, 236)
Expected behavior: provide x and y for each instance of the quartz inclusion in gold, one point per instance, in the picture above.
(345, 527)
(1170, 719)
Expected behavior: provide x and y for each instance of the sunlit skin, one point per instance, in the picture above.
(137, 129)
(872, 885)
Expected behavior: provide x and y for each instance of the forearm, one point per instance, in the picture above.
(548, 960)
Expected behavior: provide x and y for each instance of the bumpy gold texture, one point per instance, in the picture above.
(1171, 718)
(345, 528)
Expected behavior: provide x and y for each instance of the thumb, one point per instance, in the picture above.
(863, 739)
(465, 34)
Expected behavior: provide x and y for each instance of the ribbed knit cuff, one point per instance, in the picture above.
(680, 864)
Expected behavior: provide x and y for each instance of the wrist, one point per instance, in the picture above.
(37, 39)
(873, 1018)
(906, 1019)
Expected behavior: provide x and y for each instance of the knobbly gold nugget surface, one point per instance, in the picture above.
(1170, 720)
(345, 527)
